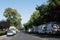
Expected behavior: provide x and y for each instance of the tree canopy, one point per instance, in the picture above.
(13, 17)
(46, 13)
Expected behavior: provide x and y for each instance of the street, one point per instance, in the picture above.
(26, 36)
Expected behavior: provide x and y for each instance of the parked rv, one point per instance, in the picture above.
(35, 29)
(49, 28)
(41, 28)
(56, 28)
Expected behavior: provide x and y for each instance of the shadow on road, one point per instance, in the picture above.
(47, 36)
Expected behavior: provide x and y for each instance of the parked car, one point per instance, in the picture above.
(14, 31)
(10, 33)
(13, 28)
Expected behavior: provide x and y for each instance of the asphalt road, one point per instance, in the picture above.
(25, 36)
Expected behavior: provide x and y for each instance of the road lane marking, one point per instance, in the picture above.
(39, 38)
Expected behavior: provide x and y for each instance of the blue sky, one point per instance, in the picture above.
(24, 7)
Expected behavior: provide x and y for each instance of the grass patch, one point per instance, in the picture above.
(2, 33)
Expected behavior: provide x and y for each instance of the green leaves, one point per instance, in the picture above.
(13, 17)
(34, 18)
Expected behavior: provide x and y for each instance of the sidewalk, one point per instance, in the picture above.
(3, 37)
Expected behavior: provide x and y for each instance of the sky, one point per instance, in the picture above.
(24, 7)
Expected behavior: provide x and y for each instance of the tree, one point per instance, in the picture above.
(4, 25)
(35, 18)
(33, 21)
(54, 10)
(13, 17)
(27, 25)
(46, 13)
(51, 11)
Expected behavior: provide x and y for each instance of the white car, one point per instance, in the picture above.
(10, 33)
(14, 31)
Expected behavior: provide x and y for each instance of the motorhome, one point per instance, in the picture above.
(41, 28)
(52, 28)
(49, 28)
(35, 29)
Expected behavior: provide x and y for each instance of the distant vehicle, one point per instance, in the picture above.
(30, 30)
(10, 33)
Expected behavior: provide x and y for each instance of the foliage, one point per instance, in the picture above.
(2, 33)
(13, 17)
(34, 18)
(27, 25)
(54, 10)
(4, 25)
(51, 11)
(34, 21)
(45, 13)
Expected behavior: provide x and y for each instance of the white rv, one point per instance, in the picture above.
(41, 28)
(52, 28)
(35, 29)
(49, 28)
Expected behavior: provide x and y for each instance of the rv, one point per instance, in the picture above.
(49, 28)
(41, 28)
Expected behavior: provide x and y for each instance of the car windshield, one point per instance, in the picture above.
(10, 32)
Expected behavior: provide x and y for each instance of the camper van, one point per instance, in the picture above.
(52, 28)
(49, 28)
(41, 28)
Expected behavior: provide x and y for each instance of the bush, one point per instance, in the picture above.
(2, 33)
(21, 28)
